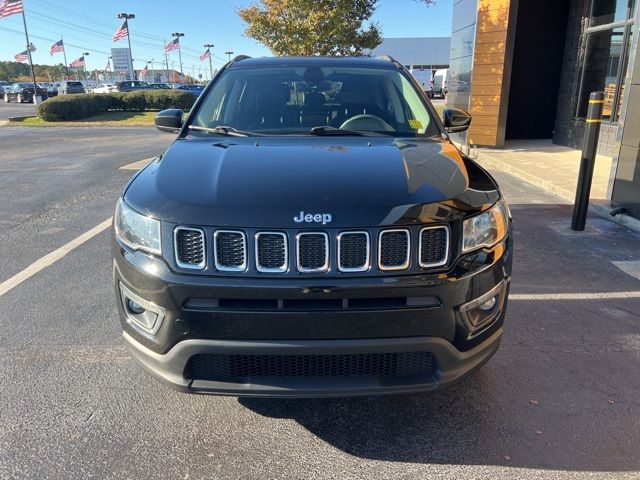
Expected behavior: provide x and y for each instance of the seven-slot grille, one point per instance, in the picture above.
(230, 250)
(189, 247)
(393, 250)
(312, 250)
(434, 246)
(271, 252)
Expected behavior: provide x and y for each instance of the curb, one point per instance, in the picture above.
(17, 119)
(595, 207)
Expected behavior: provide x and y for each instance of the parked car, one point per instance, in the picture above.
(440, 82)
(51, 88)
(159, 86)
(3, 85)
(70, 86)
(131, 85)
(311, 245)
(105, 88)
(195, 89)
(22, 92)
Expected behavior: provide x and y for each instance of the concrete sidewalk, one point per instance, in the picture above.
(549, 166)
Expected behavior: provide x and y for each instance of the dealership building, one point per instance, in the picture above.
(524, 69)
(418, 53)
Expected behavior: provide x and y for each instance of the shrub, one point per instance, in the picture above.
(83, 105)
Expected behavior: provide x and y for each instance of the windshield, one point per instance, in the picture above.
(286, 100)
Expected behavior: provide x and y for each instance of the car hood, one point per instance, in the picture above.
(267, 181)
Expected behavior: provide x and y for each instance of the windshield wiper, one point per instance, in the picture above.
(333, 131)
(220, 130)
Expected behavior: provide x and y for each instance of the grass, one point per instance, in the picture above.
(109, 119)
(439, 108)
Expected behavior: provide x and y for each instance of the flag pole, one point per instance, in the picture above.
(126, 20)
(33, 75)
(64, 53)
(166, 59)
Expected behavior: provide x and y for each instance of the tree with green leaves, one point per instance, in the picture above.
(313, 27)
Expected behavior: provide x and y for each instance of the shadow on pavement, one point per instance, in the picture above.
(560, 394)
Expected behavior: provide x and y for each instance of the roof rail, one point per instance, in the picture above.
(239, 58)
(389, 58)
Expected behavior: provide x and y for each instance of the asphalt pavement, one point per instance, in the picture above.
(14, 109)
(558, 401)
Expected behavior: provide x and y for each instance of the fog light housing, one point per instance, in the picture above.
(480, 313)
(143, 316)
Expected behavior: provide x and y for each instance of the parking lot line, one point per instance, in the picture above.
(52, 257)
(574, 296)
(137, 165)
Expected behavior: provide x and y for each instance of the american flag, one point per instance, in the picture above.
(56, 47)
(205, 55)
(172, 45)
(122, 32)
(143, 72)
(10, 7)
(21, 57)
(78, 63)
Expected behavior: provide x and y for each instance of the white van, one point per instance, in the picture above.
(424, 78)
(440, 82)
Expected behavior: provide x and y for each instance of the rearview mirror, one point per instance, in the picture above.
(456, 120)
(169, 120)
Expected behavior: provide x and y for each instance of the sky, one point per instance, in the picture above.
(88, 25)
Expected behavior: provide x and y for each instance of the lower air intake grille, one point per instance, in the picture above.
(394, 364)
(271, 252)
(354, 251)
(230, 250)
(189, 247)
(434, 246)
(313, 253)
(394, 250)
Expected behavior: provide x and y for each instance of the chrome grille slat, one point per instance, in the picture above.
(189, 247)
(312, 252)
(393, 249)
(230, 250)
(434, 246)
(271, 252)
(353, 251)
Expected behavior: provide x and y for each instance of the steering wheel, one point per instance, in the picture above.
(367, 122)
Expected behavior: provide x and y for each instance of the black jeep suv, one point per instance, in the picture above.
(312, 231)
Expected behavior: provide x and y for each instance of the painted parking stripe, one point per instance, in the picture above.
(574, 296)
(52, 257)
(137, 165)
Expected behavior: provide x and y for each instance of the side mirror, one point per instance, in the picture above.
(456, 120)
(169, 121)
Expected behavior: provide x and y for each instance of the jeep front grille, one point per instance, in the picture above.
(230, 250)
(313, 252)
(353, 251)
(393, 250)
(271, 252)
(189, 247)
(434, 246)
(405, 250)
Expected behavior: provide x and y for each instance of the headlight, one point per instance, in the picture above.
(135, 230)
(485, 229)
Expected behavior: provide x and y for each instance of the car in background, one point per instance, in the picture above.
(424, 78)
(131, 86)
(71, 86)
(22, 92)
(159, 86)
(3, 85)
(440, 82)
(51, 88)
(195, 89)
(106, 88)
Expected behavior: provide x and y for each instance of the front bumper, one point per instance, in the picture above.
(193, 326)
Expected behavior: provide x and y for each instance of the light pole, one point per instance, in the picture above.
(210, 46)
(110, 69)
(178, 35)
(152, 77)
(85, 54)
(229, 54)
(127, 17)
